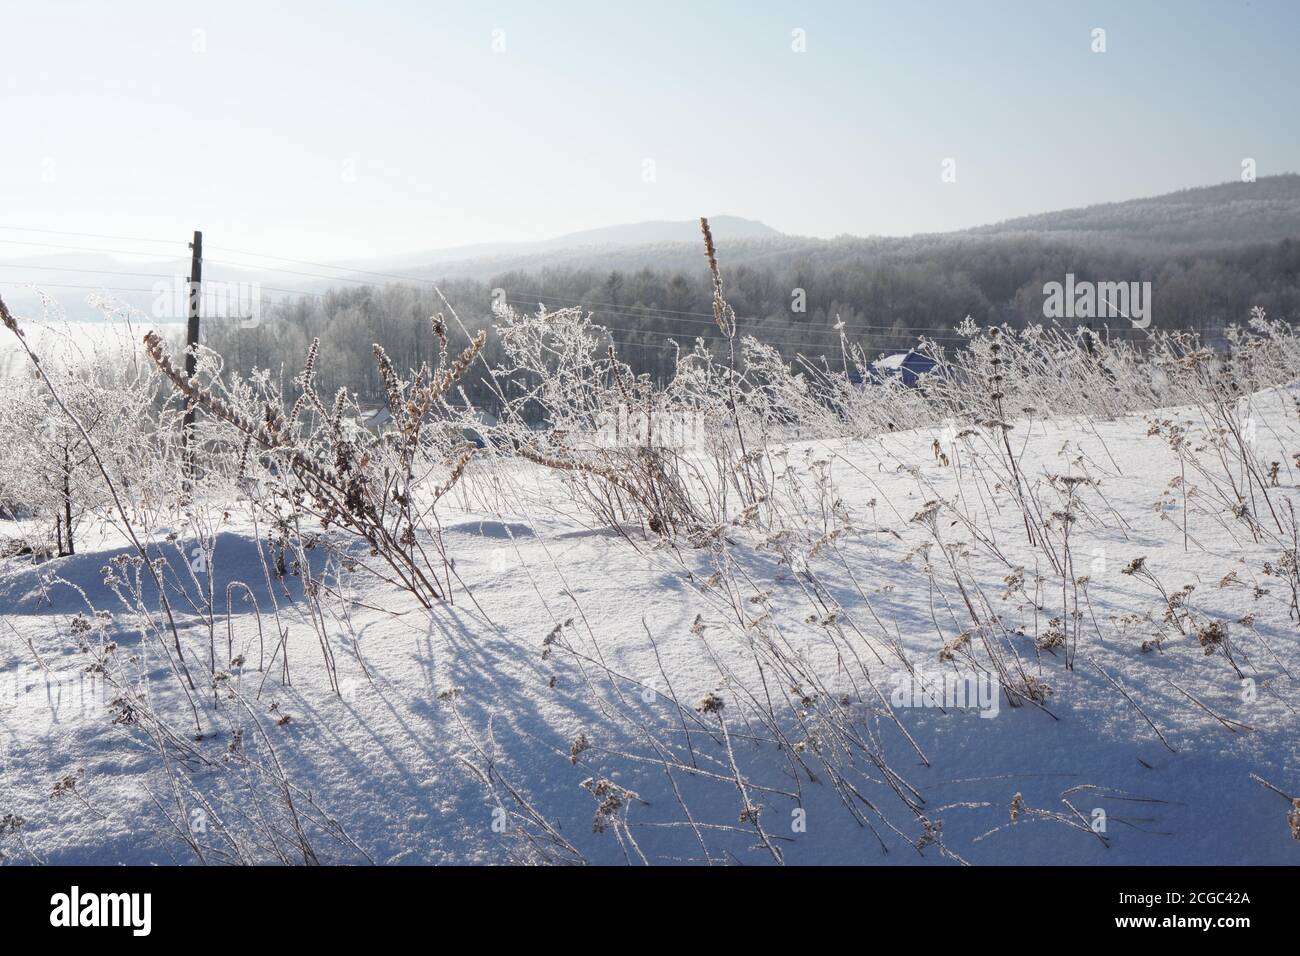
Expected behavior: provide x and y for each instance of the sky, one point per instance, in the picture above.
(331, 130)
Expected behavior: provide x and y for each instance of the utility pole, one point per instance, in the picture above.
(192, 342)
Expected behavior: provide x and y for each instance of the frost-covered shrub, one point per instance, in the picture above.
(49, 482)
(320, 462)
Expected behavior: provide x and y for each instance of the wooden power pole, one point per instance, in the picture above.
(192, 341)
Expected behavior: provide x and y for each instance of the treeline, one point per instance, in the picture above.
(883, 300)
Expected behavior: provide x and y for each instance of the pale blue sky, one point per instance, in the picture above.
(112, 123)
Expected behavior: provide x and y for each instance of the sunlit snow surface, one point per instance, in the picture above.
(398, 757)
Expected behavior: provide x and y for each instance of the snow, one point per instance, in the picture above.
(58, 339)
(472, 690)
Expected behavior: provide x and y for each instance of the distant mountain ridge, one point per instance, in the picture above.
(1208, 217)
(1267, 210)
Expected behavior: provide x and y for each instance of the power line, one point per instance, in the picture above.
(107, 272)
(54, 245)
(895, 335)
(811, 345)
(946, 333)
(519, 297)
(611, 310)
(323, 265)
(88, 235)
(67, 285)
(949, 330)
(109, 288)
(642, 312)
(314, 275)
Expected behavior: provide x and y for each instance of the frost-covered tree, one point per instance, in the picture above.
(50, 484)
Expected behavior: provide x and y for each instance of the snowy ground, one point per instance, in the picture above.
(399, 756)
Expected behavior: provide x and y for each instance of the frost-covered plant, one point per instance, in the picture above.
(323, 463)
(686, 458)
(49, 481)
(601, 425)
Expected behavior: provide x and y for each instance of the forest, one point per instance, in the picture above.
(881, 296)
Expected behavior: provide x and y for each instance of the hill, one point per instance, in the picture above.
(1267, 210)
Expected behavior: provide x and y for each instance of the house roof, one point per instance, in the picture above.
(906, 367)
(380, 416)
(911, 359)
(891, 361)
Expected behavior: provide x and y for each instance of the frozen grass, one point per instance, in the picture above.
(719, 620)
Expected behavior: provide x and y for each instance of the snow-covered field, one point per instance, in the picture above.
(605, 695)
